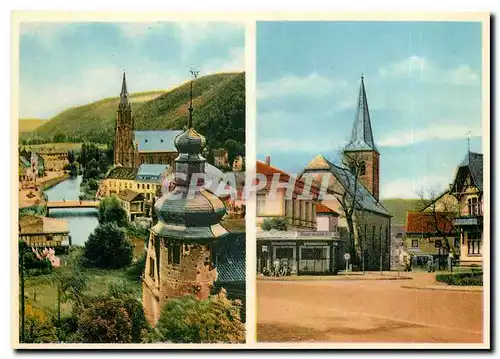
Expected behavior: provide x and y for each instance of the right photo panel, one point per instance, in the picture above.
(370, 182)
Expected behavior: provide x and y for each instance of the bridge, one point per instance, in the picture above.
(71, 204)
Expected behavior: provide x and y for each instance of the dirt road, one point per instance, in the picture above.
(366, 311)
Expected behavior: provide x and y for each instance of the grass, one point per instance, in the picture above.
(29, 124)
(98, 279)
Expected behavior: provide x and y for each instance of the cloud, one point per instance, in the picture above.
(234, 61)
(293, 85)
(434, 132)
(418, 67)
(138, 30)
(413, 187)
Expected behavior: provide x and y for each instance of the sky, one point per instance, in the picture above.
(423, 84)
(69, 64)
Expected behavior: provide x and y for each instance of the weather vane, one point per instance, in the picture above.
(194, 74)
(469, 133)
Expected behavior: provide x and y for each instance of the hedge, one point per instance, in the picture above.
(462, 279)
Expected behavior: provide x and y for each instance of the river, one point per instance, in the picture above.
(82, 221)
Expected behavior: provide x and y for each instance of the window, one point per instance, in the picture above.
(261, 203)
(138, 186)
(49, 238)
(362, 168)
(456, 243)
(174, 253)
(148, 185)
(437, 243)
(152, 268)
(473, 206)
(313, 253)
(414, 243)
(474, 243)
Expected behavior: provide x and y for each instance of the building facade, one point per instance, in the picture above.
(467, 188)
(41, 232)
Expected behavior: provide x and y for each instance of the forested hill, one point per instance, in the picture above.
(219, 113)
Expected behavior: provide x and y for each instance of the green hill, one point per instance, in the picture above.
(27, 125)
(399, 206)
(219, 113)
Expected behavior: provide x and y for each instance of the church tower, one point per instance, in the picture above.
(124, 127)
(361, 154)
(181, 245)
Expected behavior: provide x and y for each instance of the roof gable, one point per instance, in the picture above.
(123, 173)
(471, 165)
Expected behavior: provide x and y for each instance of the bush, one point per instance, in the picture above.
(108, 247)
(189, 320)
(110, 210)
(38, 329)
(277, 223)
(461, 279)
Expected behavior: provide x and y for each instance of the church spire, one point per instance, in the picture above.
(194, 75)
(362, 135)
(124, 102)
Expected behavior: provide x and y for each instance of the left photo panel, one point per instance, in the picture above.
(131, 162)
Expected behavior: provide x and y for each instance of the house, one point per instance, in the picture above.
(467, 188)
(38, 231)
(430, 236)
(299, 213)
(304, 247)
(132, 202)
(238, 163)
(146, 179)
(221, 158)
(54, 159)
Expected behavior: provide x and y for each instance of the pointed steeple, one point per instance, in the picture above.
(124, 102)
(362, 135)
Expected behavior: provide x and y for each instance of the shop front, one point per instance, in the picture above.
(312, 252)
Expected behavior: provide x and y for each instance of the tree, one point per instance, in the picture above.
(38, 329)
(439, 212)
(91, 170)
(189, 320)
(110, 210)
(71, 156)
(349, 196)
(108, 247)
(278, 223)
(104, 320)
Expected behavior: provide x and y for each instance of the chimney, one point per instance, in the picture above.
(268, 160)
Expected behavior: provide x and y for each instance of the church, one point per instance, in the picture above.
(133, 148)
(354, 187)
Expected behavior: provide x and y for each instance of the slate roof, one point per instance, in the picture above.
(474, 162)
(230, 258)
(151, 171)
(362, 135)
(130, 196)
(156, 141)
(347, 179)
(123, 173)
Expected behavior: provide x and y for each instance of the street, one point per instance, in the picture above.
(367, 311)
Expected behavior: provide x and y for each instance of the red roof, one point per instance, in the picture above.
(284, 177)
(428, 222)
(321, 208)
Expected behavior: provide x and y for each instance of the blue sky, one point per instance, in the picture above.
(423, 83)
(68, 64)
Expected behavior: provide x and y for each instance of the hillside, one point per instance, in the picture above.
(398, 208)
(27, 125)
(219, 112)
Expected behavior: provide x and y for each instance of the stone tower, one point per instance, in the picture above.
(124, 127)
(180, 250)
(361, 154)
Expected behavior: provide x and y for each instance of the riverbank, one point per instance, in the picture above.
(53, 181)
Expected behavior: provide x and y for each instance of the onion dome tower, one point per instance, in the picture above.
(179, 257)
